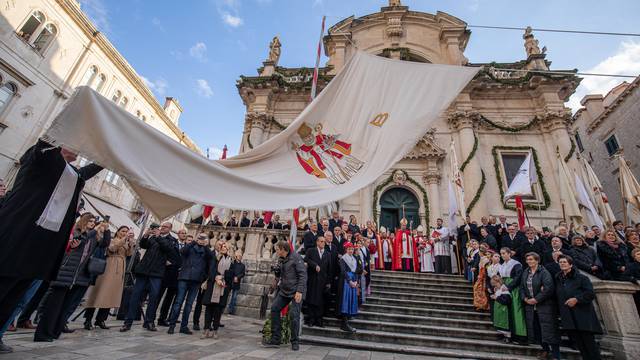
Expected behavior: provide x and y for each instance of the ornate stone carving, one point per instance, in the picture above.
(426, 148)
(395, 3)
(399, 177)
(530, 42)
(555, 119)
(394, 26)
(432, 178)
(257, 119)
(274, 50)
(461, 119)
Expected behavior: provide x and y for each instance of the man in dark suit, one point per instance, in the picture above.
(310, 237)
(169, 288)
(467, 232)
(37, 219)
(531, 244)
(318, 261)
(335, 220)
(324, 227)
(244, 220)
(275, 223)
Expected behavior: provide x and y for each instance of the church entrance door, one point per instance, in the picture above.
(391, 203)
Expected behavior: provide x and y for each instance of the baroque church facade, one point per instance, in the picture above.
(503, 114)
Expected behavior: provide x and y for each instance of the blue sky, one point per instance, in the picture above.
(196, 50)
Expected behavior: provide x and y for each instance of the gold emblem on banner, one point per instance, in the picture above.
(380, 119)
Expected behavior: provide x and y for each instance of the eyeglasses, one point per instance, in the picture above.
(202, 238)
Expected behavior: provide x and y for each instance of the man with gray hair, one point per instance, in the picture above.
(292, 286)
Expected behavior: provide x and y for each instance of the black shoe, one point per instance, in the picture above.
(87, 325)
(186, 331)
(171, 330)
(125, 328)
(151, 327)
(42, 340)
(66, 330)
(5, 349)
(102, 325)
(162, 323)
(196, 327)
(220, 326)
(295, 346)
(271, 344)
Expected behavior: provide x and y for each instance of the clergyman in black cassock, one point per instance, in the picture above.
(318, 261)
(28, 251)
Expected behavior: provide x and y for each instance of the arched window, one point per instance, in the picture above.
(116, 96)
(31, 25)
(124, 102)
(144, 118)
(7, 92)
(102, 79)
(89, 75)
(138, 114)
(45, 37)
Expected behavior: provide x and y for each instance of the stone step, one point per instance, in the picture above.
(410, 290)
(436, 352)
(429, 289)
(443, 320)
(401, 278)
(459, 344)
(376, 299)
(417, 274)
(412, 294)
(416, 329)
(425, 312)
(423, 297)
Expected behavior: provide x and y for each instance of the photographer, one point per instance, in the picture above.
(291, 286)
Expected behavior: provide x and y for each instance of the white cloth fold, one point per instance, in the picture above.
(56, 209)
(336, 146)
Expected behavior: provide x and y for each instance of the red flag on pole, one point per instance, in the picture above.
(224, 152)
(267, 216)
(520, 210)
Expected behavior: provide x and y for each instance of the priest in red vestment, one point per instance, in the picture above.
(405, 252)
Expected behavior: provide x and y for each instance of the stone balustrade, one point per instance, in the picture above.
(258, 248)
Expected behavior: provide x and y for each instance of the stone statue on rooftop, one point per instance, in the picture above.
(274, 50)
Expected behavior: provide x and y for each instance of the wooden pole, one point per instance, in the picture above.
(624, 204)
(564, 215)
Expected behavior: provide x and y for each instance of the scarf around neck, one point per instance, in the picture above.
(350, 261)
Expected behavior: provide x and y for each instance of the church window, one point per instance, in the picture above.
(144, 118)
(579, 142)
(7, 92)
(112, 178)
(89, 75)
(45, 38)
(116, 96)
(511, 164)
(99, 84)
(138, 114)
(31, 25)
(612, 145)
(124, 102)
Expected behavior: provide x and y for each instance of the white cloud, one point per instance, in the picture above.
(474, 5)
(203, 88)
(626, 61)
(158, 86)
(199, 51)
(158, 24)
(233, 21)
(97, 11)
(317, 3)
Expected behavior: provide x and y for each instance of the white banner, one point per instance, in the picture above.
(340, 143)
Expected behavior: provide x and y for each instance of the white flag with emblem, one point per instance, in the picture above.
(522, 184)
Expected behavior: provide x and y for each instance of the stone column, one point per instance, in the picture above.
(366, 209)
(464, 122)
(432, 180)
(620, 317)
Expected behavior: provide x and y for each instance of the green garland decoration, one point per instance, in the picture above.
(249, 141)
(496, 166)
(472, 153)
(476, 197)
(571, 151)
(285, 333)
(278, 125)
(376, 192)
(513, 129)
(522, 80)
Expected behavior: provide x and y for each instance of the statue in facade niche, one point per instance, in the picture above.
(530, 43)
(274, 50)
(395, 3)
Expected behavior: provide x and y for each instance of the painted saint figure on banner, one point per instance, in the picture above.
(324, 156)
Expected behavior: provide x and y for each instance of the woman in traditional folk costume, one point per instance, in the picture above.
(480, 299)
(502, 300)
(512, 317)
(493, 269)
(348, 288)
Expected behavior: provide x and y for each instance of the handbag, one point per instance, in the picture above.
(97, 263)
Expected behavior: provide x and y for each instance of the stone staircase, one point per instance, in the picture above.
(422, 314)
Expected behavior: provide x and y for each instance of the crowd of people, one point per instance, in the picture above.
(531, 280)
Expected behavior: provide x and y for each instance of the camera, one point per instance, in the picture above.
(276, 269)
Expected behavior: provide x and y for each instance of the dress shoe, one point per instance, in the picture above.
(11, 328)
(171, 330)
(295, 346)
(5, 349)
(162, 323)
(101, 325)
(26, 325)
(66, 330)
(42, 340)
(220, 326)
(271, 344)
(125, 328)
(152, 327)
(186, 331)
(87, 325)
(196, 327)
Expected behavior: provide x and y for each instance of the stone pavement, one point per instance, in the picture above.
(239, 339)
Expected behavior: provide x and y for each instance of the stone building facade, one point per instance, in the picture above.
(503, 114)
(608, 125)
(47, 48)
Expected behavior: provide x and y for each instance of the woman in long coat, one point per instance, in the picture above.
(613, 255)
(575, 300)
(107, 291)
(215, 296)
(537, 290)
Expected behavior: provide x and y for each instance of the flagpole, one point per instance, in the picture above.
(624, 204)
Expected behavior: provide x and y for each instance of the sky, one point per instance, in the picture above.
(196, 50)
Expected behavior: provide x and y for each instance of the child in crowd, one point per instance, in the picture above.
(502, 299)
